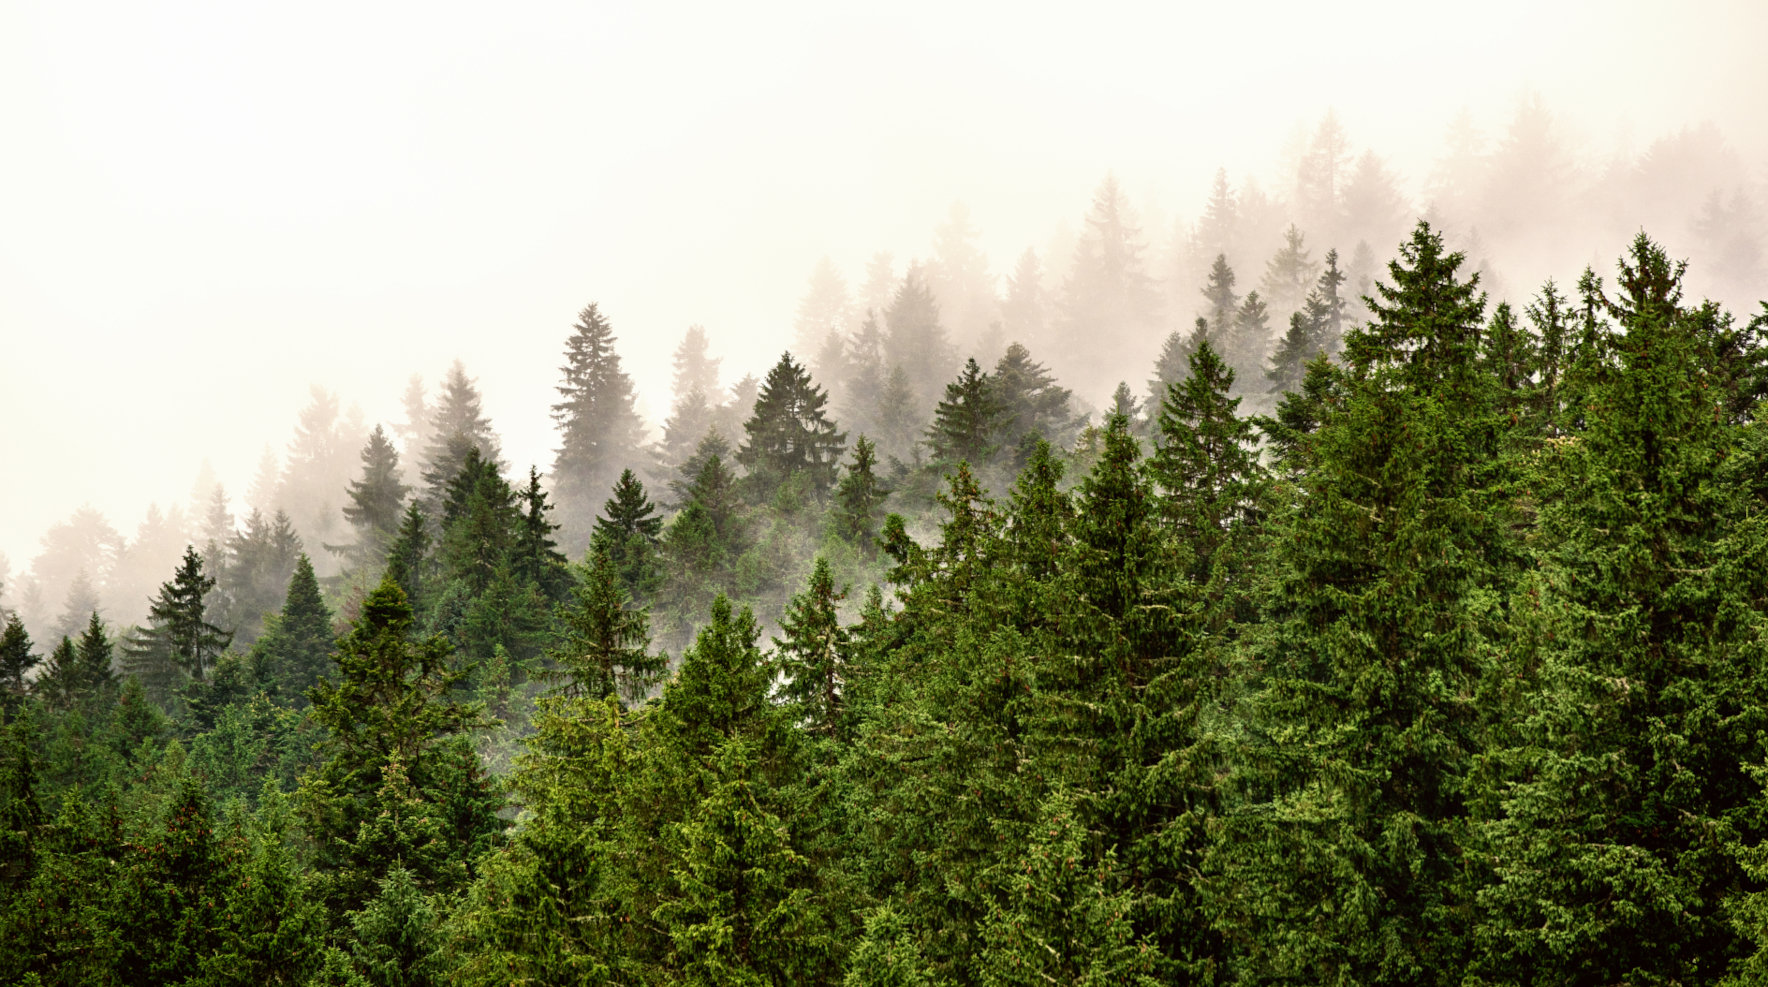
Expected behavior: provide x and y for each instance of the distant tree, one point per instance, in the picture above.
(901, 416)
(1289, 274)
(603, 645)
(1173, 363)
(535, 558)
(967, 424)
(297, 648)
(1124, 402)
(376, 501)
(408, 560)
(318, 467)
(16, 661)
(960, 278)
(1320, 179)
(261, 557)
(1374, 209)
(629, 534)
(93, 674)
(82, 600)
(457, 426)
(1032, 405)
(1025, 309)
(1108, 297)
(824, 308)
(813, 654)
(179, 639)
(1222, 304)
(695, 368)
(861, 394)
(1246, 345)
(790, 436)
(599, 430)
(859, 497)
(915, 340)
(1218, 231)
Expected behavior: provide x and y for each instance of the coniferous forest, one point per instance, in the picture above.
(1380, 632)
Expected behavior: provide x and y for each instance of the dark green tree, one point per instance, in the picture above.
(535, 558)
(179, 641)
(813, 654)
(789, 437)
(376, 501)
(16, 661)
(629, 533)
(408, 560)
(859, 497)
(457, 426)
(967, 424)
(603, 642)
(296, 650)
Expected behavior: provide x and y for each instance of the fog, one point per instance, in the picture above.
(206, 209)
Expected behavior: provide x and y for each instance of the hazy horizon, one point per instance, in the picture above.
(210, 208)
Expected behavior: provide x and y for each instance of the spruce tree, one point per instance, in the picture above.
(1222, 302)
(95, 651)
(457, 426)
(599, 430)
(1245, 347)
(297, 649)
(1171, 366)
(535, 558)
(914, 339)
(1033, 406)
(628, 533)
(376, 500)
(603, 643)
(967, 424)
(179, 641)
(813, 654)
(790, 438)
(408, 560)
(1643, 737)
(1289, 274)
(1344, 859)
(16, 660)
(859, 497)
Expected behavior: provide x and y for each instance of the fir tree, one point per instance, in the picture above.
(95, 651)
(628, 533)
(1245, 346)
(603, 646)
(813, 654)
(376, 500)
(859, 497)
(16, 661)
(967, 424)
(408, 560)
(1223, 303)
(1289, 274)
(1108, 294)
(457, 426)
(1032, 405)
(598, 427)
(535, 557)
(179, 640)
(297, 649)
(914, 339)
(1172, 365)
(789, 437)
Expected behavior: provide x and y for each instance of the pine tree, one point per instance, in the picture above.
(858, 498)
(1032, 405)
(790, 438)
(408, 560)
(1289, 274)
(480, 524)
(93, 675)
(179, 640)
(813, 654)
(457, 426)
(1641, 739)
(603, 646)
(390, 765)
(1223, 303)
(914, 339)
(598, 426)
(535, 558)
(967, 424)
(628, 533)
(16, 661)
(376, 500)
(1344, 860)
(297, 649)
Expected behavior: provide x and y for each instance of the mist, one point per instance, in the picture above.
(229, 238)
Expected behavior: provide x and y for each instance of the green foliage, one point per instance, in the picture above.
(967, 425)
(790, 436)
(179, 641)
(17, 658)
(603, 644)
(629, 534)
(376, 500)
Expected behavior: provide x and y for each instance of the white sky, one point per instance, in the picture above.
(205, 206)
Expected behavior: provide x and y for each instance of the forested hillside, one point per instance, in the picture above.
(1450, 669)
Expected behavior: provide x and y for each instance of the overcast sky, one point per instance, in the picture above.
(206, 206)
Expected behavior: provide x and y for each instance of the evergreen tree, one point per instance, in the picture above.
(408, 560)
(1643, 737)
(790, 438)
(1024, 310)
(629, 534)
(1223, 303)
(1289, 362)
(1245, 347)
(859, 497)
(535, 558)
(603, 645)
(695, 368)
(1032, 405)
(457, 426)
(1344, 859)
(967, 424)
(1289, 274)
(813, 654)
(1172, 366)
(376, 500)
(390, 773)
(598, 426)
(179, 640)
(1108, 294)
(297, 648)
(16, 661)
(95, 651)
(900, 417)
(914, 339)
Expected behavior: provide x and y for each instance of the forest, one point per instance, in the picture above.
(1381, 632)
